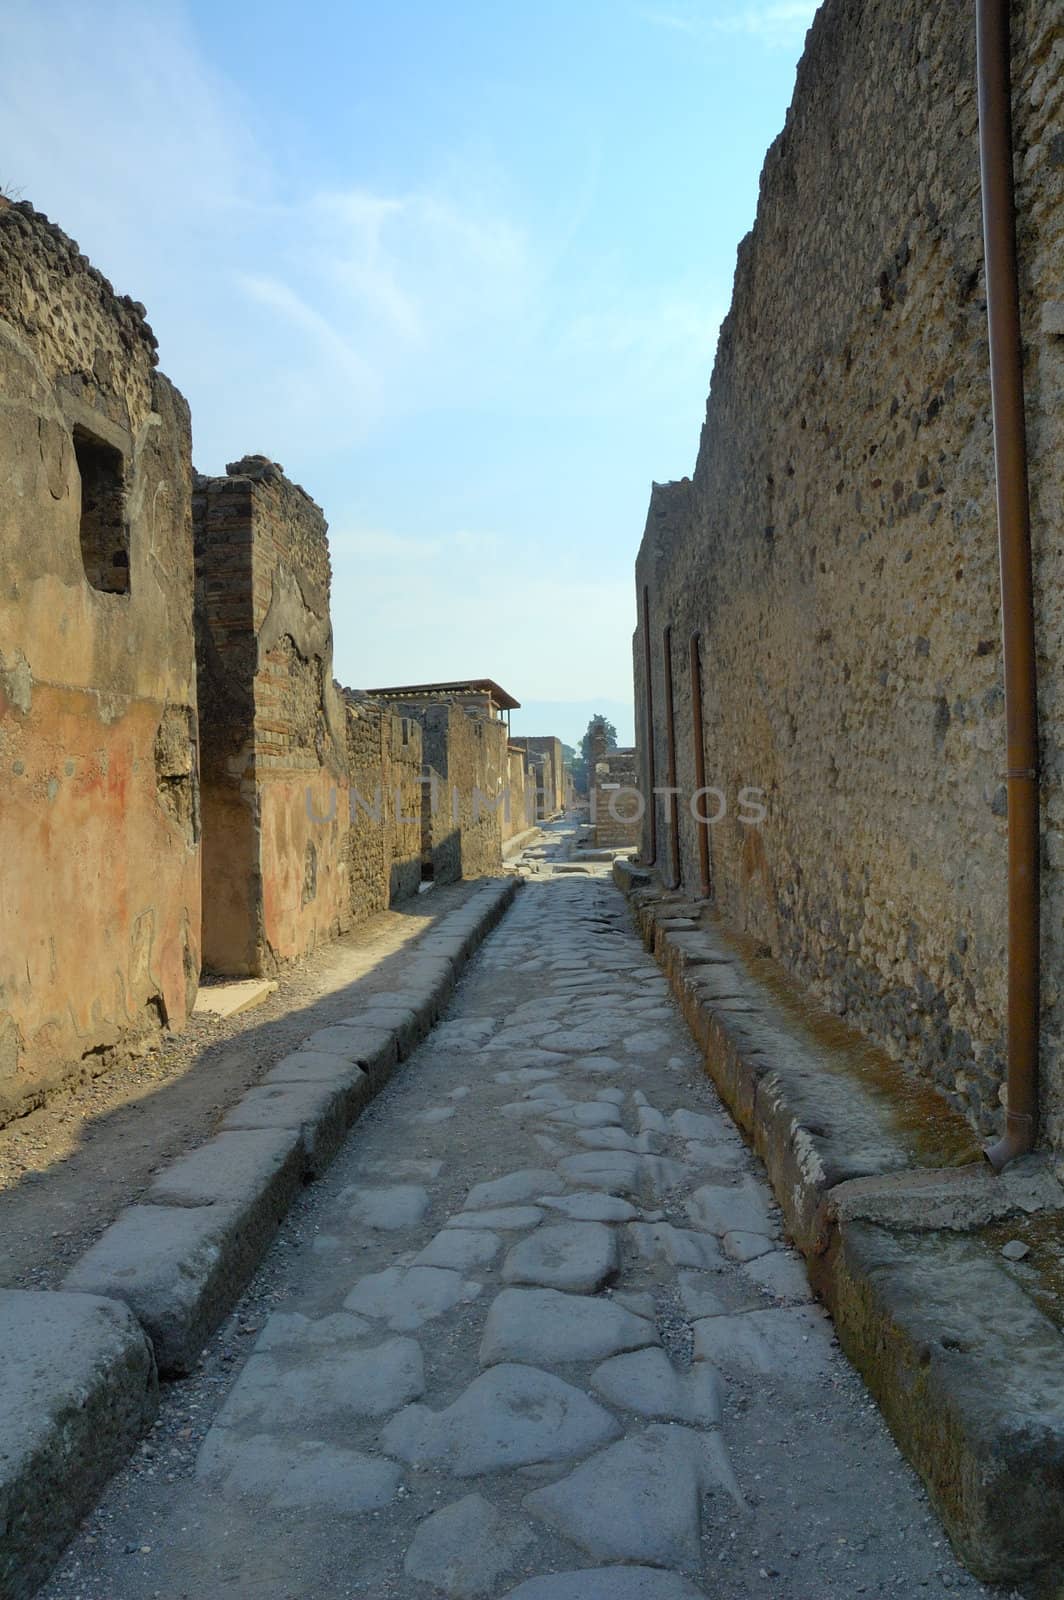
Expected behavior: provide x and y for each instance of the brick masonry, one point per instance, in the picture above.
(273, 736)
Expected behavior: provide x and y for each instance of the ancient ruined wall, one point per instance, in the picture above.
(835, 550)
(554, 772)
(616, 799)
(274, 746)
(521, 814)
(467, 755)
(384, 840)
(99, 890)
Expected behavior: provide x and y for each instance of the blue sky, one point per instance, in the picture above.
(458, 266)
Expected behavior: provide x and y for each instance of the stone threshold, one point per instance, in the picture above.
(902, 1224)
(79, 1385)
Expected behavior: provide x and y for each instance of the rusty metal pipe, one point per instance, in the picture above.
(670, 737)
(648, 685)
(993, 53)
(698, 741)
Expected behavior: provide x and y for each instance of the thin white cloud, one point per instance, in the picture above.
(775, 23)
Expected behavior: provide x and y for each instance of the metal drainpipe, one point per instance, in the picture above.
(650, 768)
(1017, 603)
(670, 736)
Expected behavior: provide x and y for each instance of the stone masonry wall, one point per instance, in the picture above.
(384, 840)
(468, 758)
(274, 741)
(835, 549)
(521, 814)
(99, 816)
(615, 798)
(551, 748)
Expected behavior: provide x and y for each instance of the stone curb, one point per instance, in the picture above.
(967, 1371)
(81, 1364)
(79, 1390)
(181, 1259)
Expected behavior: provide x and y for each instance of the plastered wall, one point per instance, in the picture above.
(99, 812)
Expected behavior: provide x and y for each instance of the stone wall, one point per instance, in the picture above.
(521, 814)
(274, 741)
(616, 800)
(467, 768)
(99, 822)
(835, 550)
(554, 772)
(384, 840)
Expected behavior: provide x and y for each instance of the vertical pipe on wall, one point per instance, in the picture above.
(649, 766)
(993, 52)
(670, 736)
(698, 742)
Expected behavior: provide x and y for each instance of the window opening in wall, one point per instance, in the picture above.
(104, 524)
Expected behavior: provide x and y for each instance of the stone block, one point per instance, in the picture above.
(317, 1110)
(78, 1390)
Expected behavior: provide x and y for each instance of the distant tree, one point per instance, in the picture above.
(607, 727)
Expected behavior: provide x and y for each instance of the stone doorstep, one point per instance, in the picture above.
(79, 1391)
(229, 999)
(968, 1372)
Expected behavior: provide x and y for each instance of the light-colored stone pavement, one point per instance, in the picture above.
(536, 1335)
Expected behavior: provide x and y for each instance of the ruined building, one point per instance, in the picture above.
(99, 820)
(555, 779)
(273, 739)
(466, 808)
(167, 703)
(615, 793)
(819, 616)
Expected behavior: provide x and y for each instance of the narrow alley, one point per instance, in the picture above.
(535, 1334)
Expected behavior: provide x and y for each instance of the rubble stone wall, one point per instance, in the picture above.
(99, 811)
(468, 757)
(274, 740)
(384, 840)
(835, 550)
(554, 773)
(616, 800)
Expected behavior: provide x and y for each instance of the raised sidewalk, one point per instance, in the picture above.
(903, 1227)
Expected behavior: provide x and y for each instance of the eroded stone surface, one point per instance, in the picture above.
(399, 1205)
(506, 1219)
(590, 1206)
(509, 1417)
(742, 1209)
(408, 1297)
(298, 1474)
(460, 1249)
(577, 1256)
(513, 1189)
(639, 1500)
(544, 1325)
(466, 1548)
(646, 1381)
(305, 1391)
(792, 1342)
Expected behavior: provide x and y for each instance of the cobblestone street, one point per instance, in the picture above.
(535, 1335)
